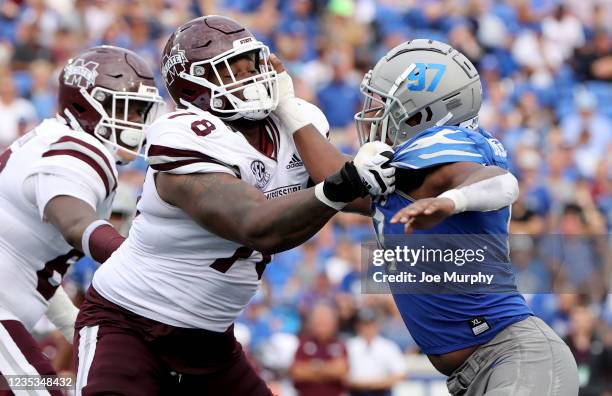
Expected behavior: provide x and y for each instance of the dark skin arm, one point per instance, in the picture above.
(322, 159)
(428, 211)
(235, 210)
(70, 216)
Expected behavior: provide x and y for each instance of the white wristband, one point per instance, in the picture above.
(87, 234)
(292, 115)
(321, 197)
(458, 198)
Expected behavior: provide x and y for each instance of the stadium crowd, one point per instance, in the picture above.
(546, 67)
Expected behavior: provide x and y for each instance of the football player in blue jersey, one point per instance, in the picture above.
(422, 99)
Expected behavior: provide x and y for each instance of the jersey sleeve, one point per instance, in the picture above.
(41, 188)
(445, 145)
(80, 167)
(189, 144)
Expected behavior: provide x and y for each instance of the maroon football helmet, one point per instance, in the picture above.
(109, 92)
(194, 56)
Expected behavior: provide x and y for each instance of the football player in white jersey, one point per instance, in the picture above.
(225, 189)
(57, 183)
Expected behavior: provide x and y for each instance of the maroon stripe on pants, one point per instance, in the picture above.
(122, 364)
(30, 349)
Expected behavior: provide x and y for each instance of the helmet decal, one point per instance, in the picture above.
(81, 74)
(173, 64)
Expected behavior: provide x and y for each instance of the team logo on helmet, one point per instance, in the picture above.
(173, 64)
(81, 74)
(262, 176)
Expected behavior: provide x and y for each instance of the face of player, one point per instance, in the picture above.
(134, 111)
(137, 110)
(242, 66)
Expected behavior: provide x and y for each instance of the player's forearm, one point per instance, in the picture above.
(81, 228)
(70, 216)
(283, 223)
(321, 159)
(235, 210)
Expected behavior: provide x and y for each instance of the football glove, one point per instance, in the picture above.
(373, 164)
(370, 173)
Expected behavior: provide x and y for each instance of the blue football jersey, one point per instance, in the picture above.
(442, 323)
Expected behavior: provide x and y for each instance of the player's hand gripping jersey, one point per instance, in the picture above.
(172, 270)
(50, 160)
(439, 323)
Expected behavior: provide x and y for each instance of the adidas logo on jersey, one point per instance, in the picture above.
(295, 162)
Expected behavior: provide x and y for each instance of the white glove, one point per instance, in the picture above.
(289, 109)
(372, 163)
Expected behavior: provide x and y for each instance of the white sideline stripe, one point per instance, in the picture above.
(13, 362)
(88, 338)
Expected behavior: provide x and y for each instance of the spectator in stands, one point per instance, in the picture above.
(340, 98)
(17, 114)
(376, 363)
(593, 352)
(588, 132)
(531, 274)
(593, 61)
(320, 365)
(42, 93)
(563, 30)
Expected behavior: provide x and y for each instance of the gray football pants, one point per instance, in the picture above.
(525, 359)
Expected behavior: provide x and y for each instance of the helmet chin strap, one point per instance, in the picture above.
(71, 120)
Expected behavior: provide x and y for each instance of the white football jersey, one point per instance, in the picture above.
(172, 270)
(33, 254)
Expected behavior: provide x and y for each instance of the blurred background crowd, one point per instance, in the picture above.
(546, 67)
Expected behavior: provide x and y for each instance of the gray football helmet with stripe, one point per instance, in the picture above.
(415, 86)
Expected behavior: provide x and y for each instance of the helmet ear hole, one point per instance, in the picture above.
(78, 108)
(415, 119)
(187, 92)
